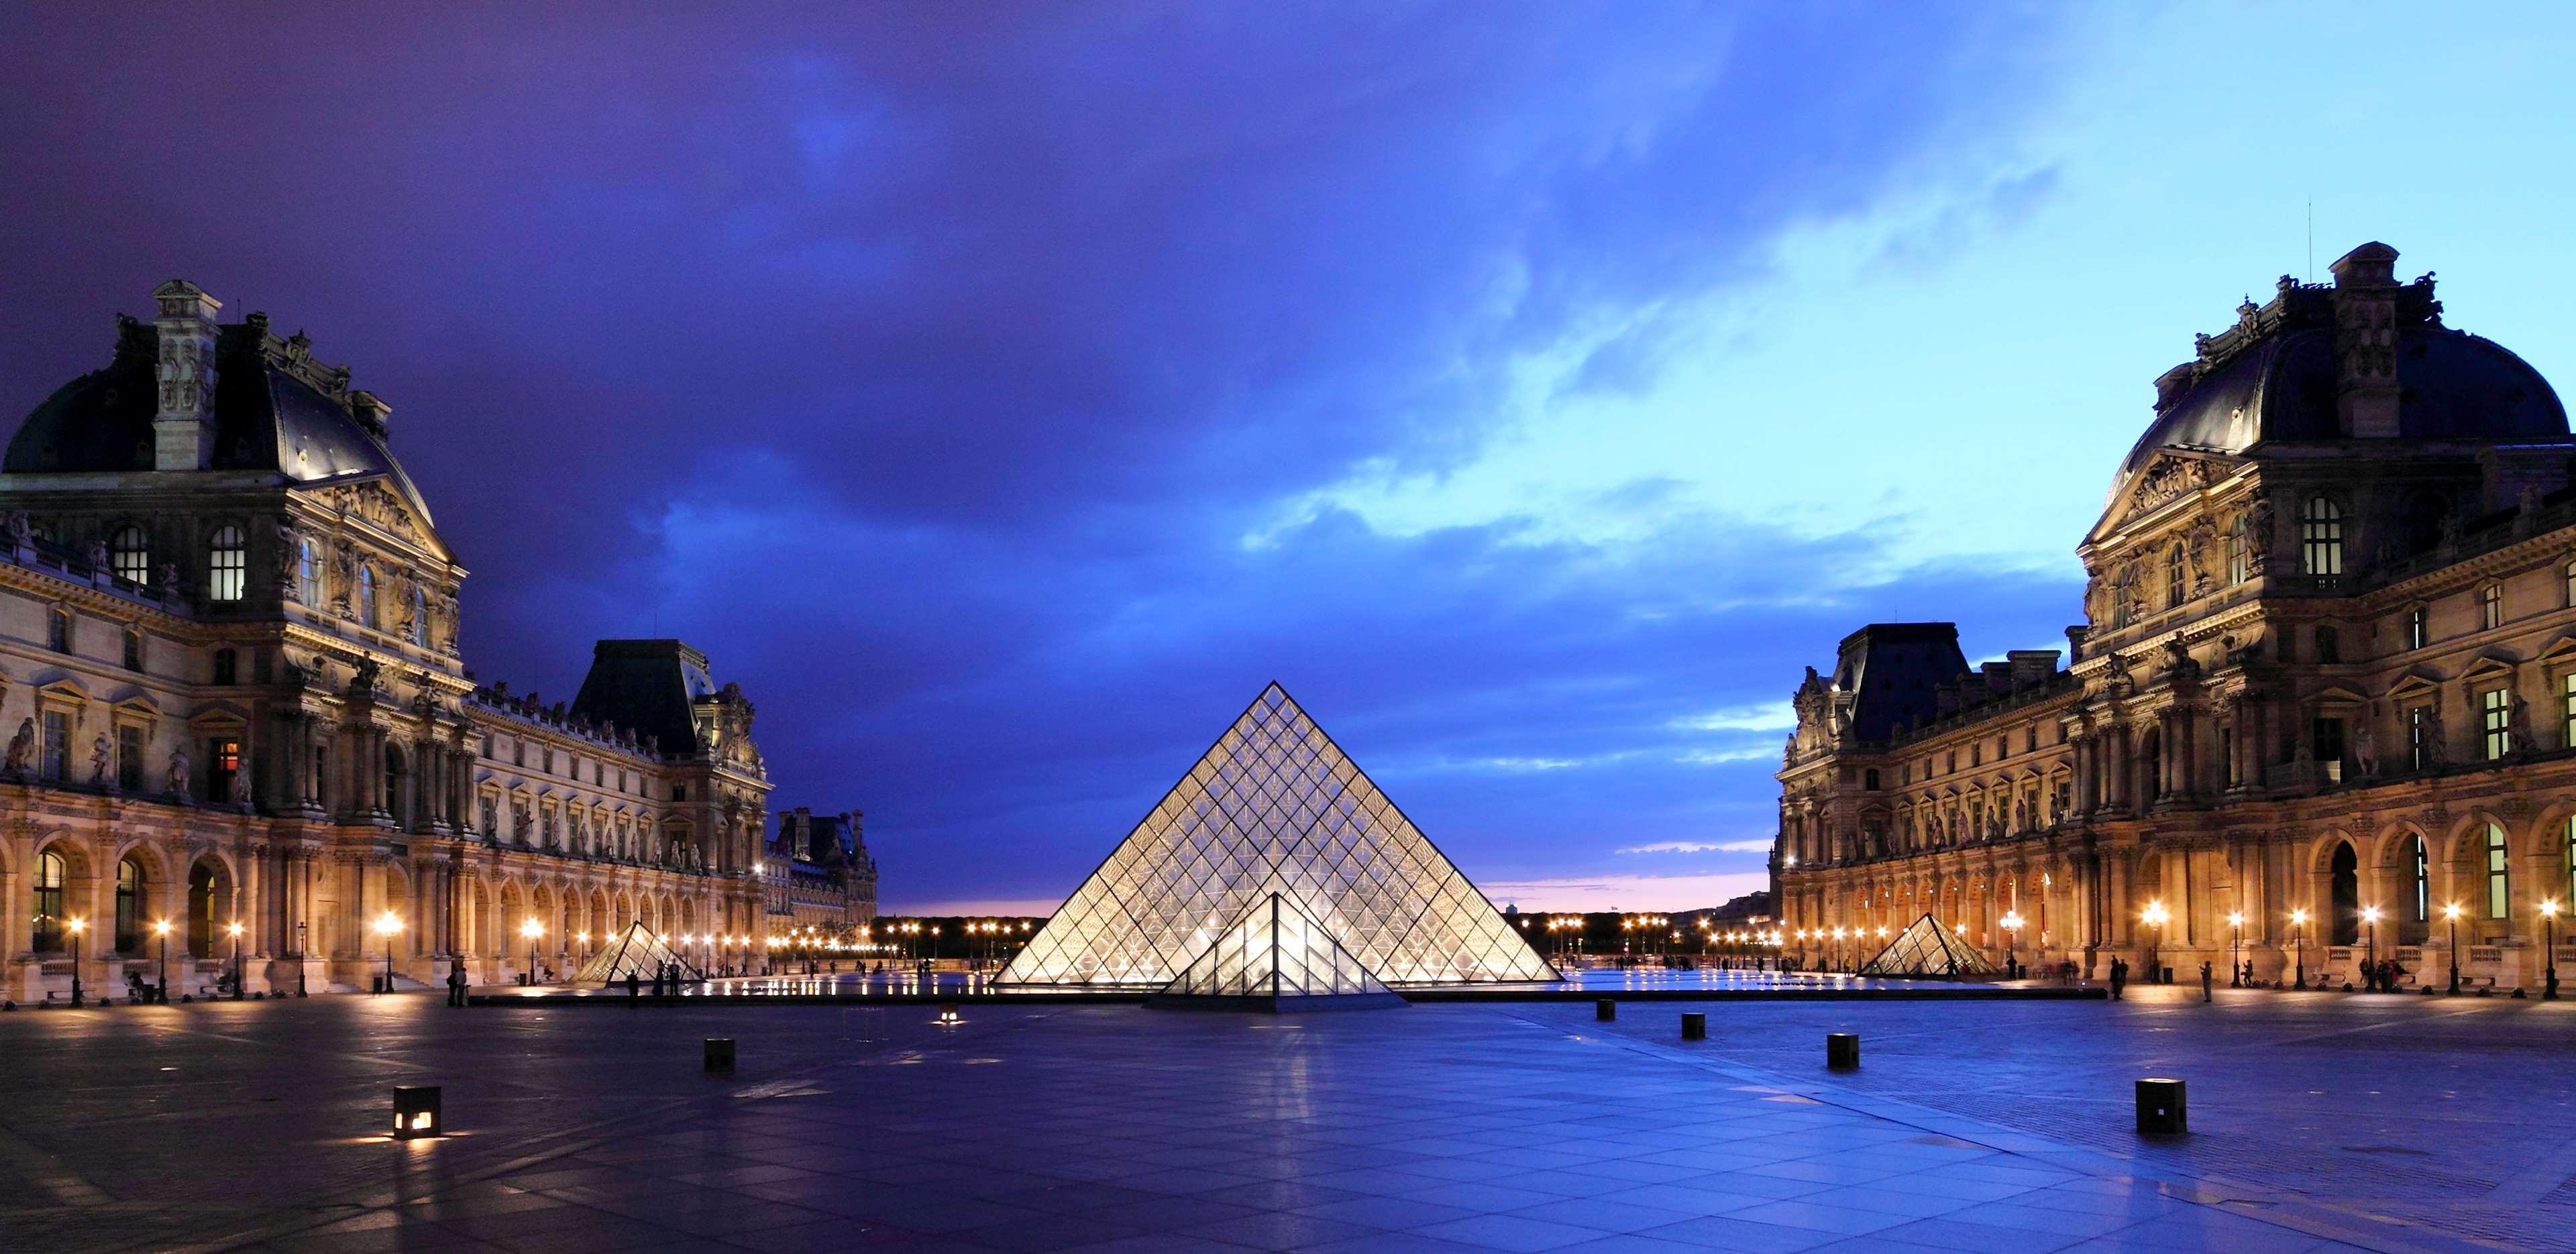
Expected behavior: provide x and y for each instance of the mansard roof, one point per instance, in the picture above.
(648, 685)
(276, 409)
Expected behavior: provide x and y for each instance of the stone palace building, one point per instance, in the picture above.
(236, 706)
(816, 872)
(2322, 707)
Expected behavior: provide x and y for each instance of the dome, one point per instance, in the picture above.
(275, 410)
(2275, 376)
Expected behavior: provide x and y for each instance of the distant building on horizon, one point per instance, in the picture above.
(816, 871)
(2325, 689)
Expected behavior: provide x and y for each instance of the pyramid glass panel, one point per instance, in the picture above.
(1275, 808)
(1925, 948)
(637, 952)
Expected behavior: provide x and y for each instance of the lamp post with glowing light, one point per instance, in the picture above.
(76, 927)
(2299, 935)
(236, 929)
(2012, 938)
(2154, 916)
(2451, 915)
(2235, 941)
(2370, 915)
(2549, 975)
(389, 925)
(532, 929)
(161, 982)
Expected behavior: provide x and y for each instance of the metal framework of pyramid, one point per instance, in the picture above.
(1275, 958)
(637, 951)
(1926, 948)
(1275, 807)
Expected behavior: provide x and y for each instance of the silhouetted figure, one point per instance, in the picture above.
(2119, 978)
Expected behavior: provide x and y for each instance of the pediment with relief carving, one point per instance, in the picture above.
(2168, 477)
(379, 507)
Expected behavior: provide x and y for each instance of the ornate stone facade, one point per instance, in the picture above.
(229, 651)
(2328, 673)
(816, 872)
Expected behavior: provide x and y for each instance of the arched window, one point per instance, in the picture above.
(2499, 877)
(48, 936)
(2321, 537)
(419, 618)
(2415, 915)
(367, 595)
(308, 573)
(129, 907)
(2344, 888)
(129, 555)
(227, 565)
(2124, 604)
(2239, 564)
(2177, 577)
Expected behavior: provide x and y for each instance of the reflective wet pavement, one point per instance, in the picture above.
(2319, 1120)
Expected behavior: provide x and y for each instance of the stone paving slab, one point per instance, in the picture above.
(259, 1126)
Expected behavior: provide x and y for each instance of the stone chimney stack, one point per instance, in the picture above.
(373, 414)
(183, 431)
(2365, 341)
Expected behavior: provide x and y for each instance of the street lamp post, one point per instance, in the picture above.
(2549, 977)
(2154, 917)
(2451, 915)
(76, 927)
(2370, 915)
(2299, 924)
(2012, 937)
(236, 929)
(161, 980)
(531, 929)
(2235, 946)
(389, 925)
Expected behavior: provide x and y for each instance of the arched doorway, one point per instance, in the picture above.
(209, 906)
(129, 906)
(2345, 892)
(2415, 901)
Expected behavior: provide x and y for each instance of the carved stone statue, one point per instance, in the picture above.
(176, 783)
(2518, 726)
(364, 677)
(21, 531)
(22, 746)
(241, 783)
(2258, 535)
(2437, 746)
(102, 759)
(2365, 748)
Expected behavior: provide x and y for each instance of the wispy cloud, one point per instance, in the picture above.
(1713, 757)
(1666, 893)
(1701, 846)
(1767, 716)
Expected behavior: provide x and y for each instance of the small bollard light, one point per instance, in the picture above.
(719, 1053)
(1605, 1010)
(948, 1015)
(416, 1112)
(1842, 1051)
(1694, 1026)
(2160, 1108)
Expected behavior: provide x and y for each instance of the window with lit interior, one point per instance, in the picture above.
(129, 555)
(2321, 537)
(48, 933)
(2495, 712)
(2491, 607)
(227, 565)
(2499, 873)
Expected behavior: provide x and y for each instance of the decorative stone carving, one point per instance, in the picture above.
(176, 782)
(22, 746)
(102, 759)
(2168, 477)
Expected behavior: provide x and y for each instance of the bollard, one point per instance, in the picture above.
(416, 1112)
(719, 1053)
(1605, 1010)
(948, 1015)
(1842, 1051)
(2160, 1108)
(1694, 1026)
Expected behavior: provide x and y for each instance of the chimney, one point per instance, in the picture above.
(183, 430)
(2365, 341)
(2075, 642)
(372, 413)
(2032, 667)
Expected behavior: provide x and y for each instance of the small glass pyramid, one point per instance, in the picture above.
(1926, 948)
(1275, 808)
(635, 951)
(1276, 957)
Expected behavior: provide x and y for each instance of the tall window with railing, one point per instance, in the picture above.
(2499, 875)
(2567, 711)
(227, 565)
(2321, 537)
(47, 935)
(2419, 737)
(2239, 562)
(2495, 713)
(129, 555)
(2177, 577)
(2491, 607)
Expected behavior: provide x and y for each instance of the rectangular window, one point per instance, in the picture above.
(1977, 754)
(1869, 779)
(2330, 746)
(2329, 646)
(2030, 739)
(134, 650)
(2227, 751)
(223, 763)
(58, 631)
(2419, 737)
(2286, 645)
(1954, 759)
(2567, 711)
(129, 758)
(2418, 628)
(2491, 607)
(224, 666)
(2495, 710)
(227, 569)
(2499, 876)
(58, 745)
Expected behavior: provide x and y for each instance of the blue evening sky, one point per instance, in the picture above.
(1003, 393)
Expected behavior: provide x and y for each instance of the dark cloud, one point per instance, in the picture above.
(928, 363)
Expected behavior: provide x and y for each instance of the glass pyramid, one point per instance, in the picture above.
(1275, 953)
(1275, 808)
(1927, 948)
(636, 950)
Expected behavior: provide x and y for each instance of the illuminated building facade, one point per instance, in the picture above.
(231, 677)
(2322, 707)
(815, 871)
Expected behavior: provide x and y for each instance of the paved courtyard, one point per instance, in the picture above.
(2321, 1122)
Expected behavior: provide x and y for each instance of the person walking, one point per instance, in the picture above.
(2119, 977)
(456, 982)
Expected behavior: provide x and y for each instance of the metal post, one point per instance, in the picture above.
(2455, 955)
(161, 982)
(76, 988)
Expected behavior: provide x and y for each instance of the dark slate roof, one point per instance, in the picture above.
(2272, 377)
(646, 685)
(1893, 669)
(275, 410)
(830, 841)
